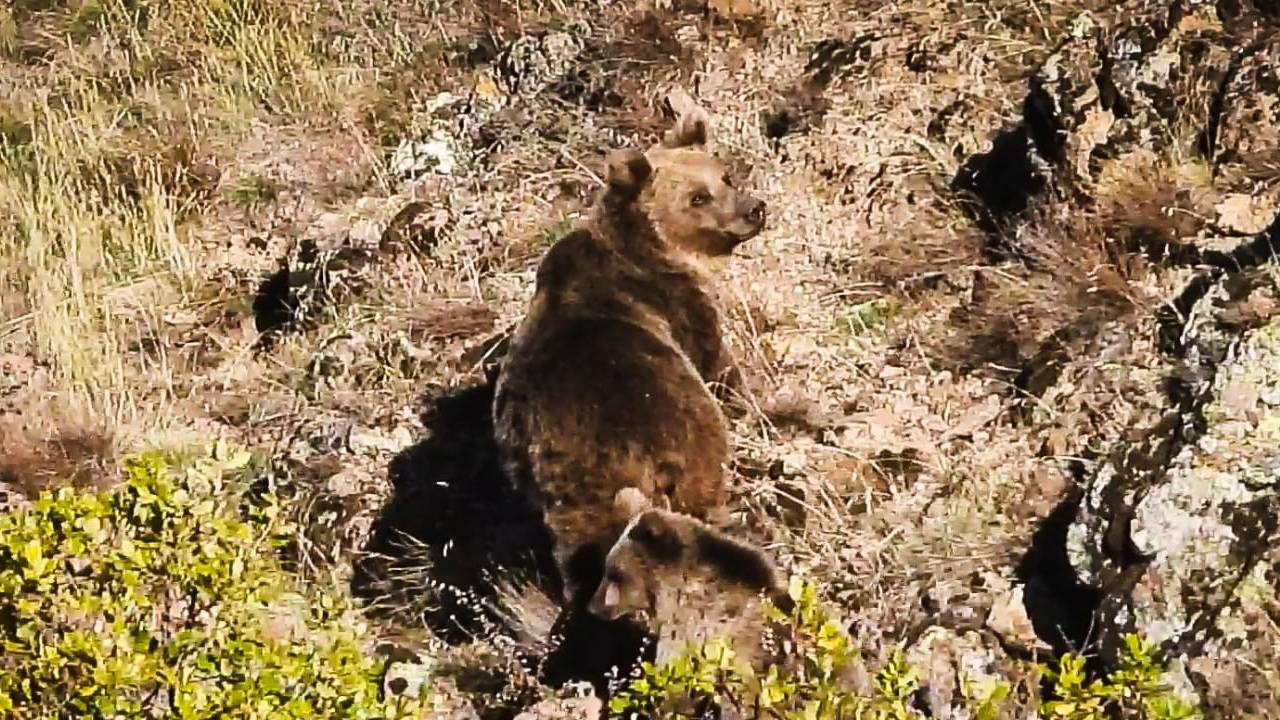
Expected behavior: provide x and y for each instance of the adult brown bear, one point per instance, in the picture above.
(605, 384)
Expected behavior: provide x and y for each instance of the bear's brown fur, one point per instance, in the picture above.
(686, 580)
(605, 382)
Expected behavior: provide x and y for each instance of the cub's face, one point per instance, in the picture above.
(661, 551)
(693, 204)
(637, 563)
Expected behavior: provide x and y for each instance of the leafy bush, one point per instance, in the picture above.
(164, 597)
(811, 683)
(1134, 690)
(807, 686)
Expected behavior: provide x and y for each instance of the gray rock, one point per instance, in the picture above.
(958, 669)
(407, 679)
(578, 704)
(1178, 528)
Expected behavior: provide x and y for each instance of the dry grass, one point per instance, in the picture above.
(119, 140)
(34, 458)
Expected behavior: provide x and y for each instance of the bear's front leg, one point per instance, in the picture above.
(731, 390)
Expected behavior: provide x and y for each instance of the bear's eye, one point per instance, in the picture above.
(614, 576)
(702, 197)
(727, 180)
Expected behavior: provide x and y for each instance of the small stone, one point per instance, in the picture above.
(688, 34)
(952, 661)
(575, 708)
(402, 437)
(331, 225)
(1244, 213)
(1008, 619)
(348, 482)
(365, 233)
(407, 679)
(413, 158)
(369, 440)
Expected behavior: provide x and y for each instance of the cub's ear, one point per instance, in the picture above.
(627, 171)
(654, 532)
(630, 502)
(691, 124)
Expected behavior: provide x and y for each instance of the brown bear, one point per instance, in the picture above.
(686, 581)
(605, 383)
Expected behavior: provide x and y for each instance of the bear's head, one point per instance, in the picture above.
(686, 192)
(662, 550)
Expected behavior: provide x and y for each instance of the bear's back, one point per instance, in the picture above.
(629, 277)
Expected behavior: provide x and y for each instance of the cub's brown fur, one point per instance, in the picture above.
(605, 382)
(687, 580)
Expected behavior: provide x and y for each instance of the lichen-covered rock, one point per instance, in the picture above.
(575, 701)
(1009, 620)
(1243, 132)
(416, 157)
(408, 679)
(1147, 76)
(1178, 529)
(529, 63)
(957, 668)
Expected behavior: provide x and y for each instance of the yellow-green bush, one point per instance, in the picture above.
(812, 683)
(163, 597)
(1134, 690)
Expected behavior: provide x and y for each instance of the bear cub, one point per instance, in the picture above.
(686, 581)
(605, 384)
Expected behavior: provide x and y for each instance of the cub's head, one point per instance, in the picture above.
(686, 192)
(660, 550)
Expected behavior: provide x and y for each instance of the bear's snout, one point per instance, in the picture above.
(748, 220)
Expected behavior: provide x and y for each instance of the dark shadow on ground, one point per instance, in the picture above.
(453, 513)
(1061, 608)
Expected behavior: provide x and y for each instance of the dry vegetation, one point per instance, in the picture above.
(284, 222)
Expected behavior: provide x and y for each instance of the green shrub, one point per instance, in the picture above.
(163, 597)
(1134, 690)
(812, 681)
(808, 686)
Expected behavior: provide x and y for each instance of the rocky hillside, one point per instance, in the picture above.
(1013, 333)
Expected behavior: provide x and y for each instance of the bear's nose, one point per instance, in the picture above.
(756, 213)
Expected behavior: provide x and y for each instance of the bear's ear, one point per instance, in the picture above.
(690, 129)
(630, 502)
(657, 536)
(626, 171)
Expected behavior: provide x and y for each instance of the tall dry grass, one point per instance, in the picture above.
(111, 135)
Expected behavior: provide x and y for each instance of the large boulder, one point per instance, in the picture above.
(1178, 529)
(1162, 120)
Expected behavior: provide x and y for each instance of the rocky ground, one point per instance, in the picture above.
(1013, 329)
